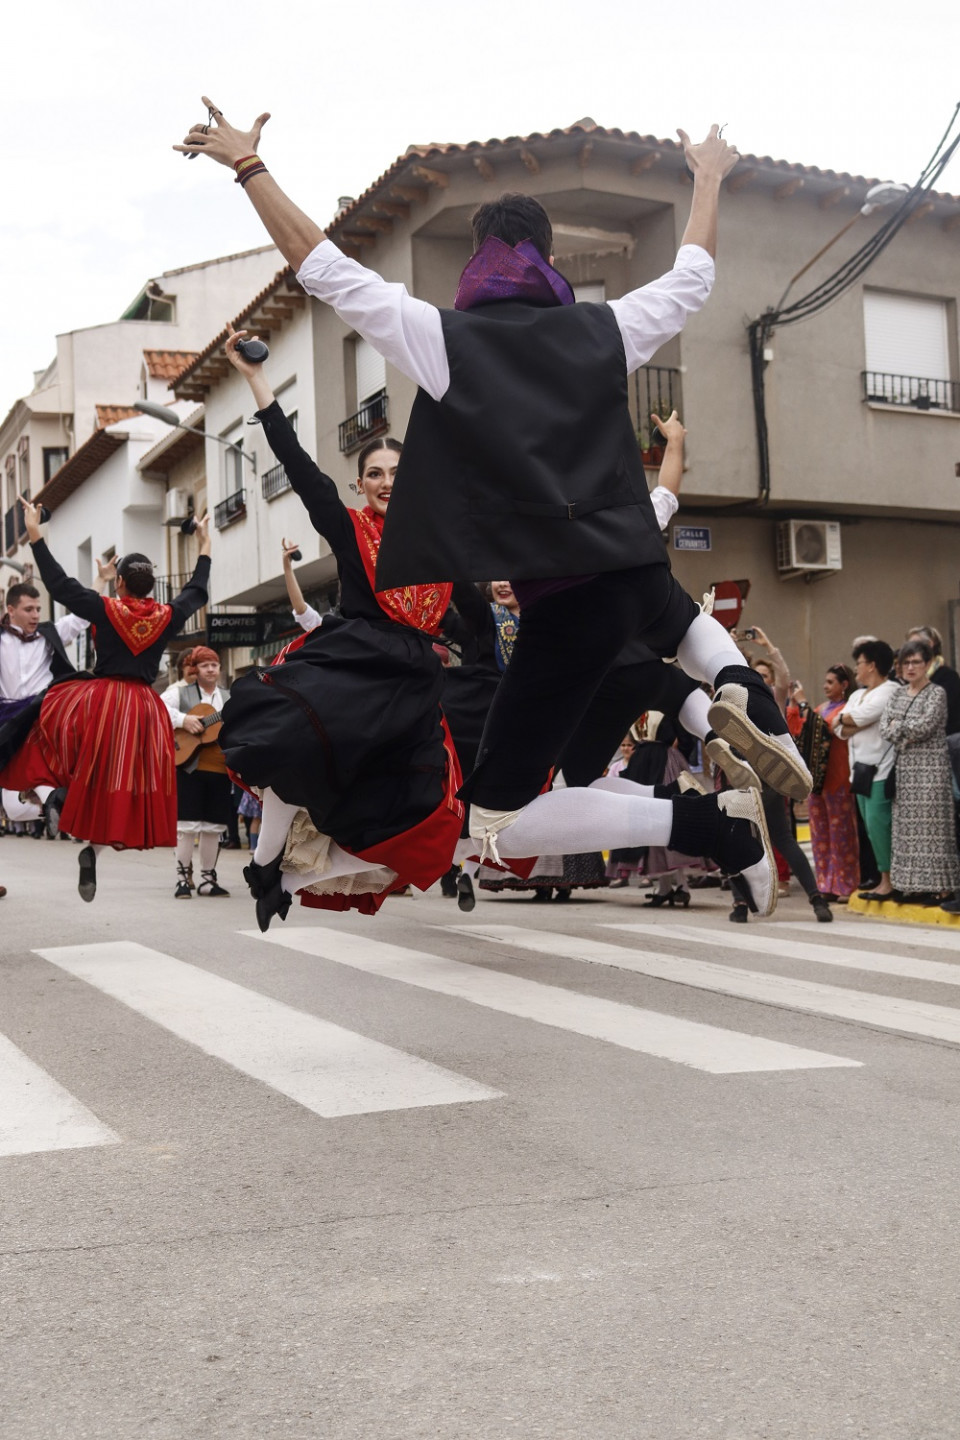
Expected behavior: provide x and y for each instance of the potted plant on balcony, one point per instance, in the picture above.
(651, 447)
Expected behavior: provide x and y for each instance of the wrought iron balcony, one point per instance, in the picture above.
(231, 509)
(166, 588)
(913, 392)
(370, 420)
(656, 391)
(274, 482)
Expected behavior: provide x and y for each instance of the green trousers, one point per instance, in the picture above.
(877, 812)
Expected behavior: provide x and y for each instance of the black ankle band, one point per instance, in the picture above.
(696, 823)
(739, 675)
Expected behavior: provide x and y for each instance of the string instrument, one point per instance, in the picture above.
(185, 744)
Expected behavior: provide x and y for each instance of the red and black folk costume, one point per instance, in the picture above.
(107, 740)
(348, 724)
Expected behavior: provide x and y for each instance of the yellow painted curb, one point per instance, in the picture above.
(904, 914)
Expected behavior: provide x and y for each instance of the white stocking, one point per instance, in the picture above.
(693, 714)
(274, 827)
(705, 650)
(18, 810)
(209, 849)
(185, 848)
(619, 786)
(577, 821)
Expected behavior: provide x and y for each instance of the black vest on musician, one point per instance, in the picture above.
(529, 466)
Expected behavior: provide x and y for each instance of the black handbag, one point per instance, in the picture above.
(862, 778)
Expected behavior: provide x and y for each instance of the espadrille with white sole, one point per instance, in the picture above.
(737, 771)
(747, 717)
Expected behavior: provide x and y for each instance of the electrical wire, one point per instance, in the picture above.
(828, 291)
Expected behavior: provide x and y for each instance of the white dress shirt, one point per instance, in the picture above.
(409, 332)
(866, 744)
(27, 668)
(218, 699)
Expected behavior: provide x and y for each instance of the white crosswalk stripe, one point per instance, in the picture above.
(885, 932)
(687, 1042)
(327, 1069)
(935, 1022)
(36, 1113)
(765, 942)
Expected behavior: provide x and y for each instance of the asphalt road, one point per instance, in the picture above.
(520, 1173)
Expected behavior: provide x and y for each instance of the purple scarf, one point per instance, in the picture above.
(499, 271)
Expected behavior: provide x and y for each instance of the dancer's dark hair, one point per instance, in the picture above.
(875, 652)
(136, 572)
(371, 449)
(22, 590)
(513, 218)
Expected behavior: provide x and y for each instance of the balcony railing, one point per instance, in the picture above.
(913, 392)
(166, 588)
(231, 509)
(274, 482)
(371, 419)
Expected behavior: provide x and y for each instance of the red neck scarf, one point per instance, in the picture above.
(139, 623)
(422, 607)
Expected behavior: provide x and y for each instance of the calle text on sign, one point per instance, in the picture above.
(692, 537)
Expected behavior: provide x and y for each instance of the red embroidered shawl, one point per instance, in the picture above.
(420, 606)
(139, 623)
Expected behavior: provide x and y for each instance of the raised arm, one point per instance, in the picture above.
(195, 593)
(711, 162)
(67, 591)
(327, 512)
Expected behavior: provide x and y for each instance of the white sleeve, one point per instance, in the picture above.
(652, 315)
(872, 706)
(168, 698)
(309, 619)
(68, 627)
(665, 505)
(407, 332)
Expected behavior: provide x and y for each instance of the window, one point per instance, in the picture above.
(23, 456)
(907, 350)
(53, 457)
(371, 371)
(594, 291)
(233, 461)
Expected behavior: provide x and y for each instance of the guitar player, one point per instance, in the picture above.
(204, 806)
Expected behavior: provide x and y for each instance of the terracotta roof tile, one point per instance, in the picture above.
(282, 277)
(110, 414)
(167, 364)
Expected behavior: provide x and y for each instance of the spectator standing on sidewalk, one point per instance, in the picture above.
(924, 853)
(940, 672)
(871, 757)
(833, 816)
(775, 673)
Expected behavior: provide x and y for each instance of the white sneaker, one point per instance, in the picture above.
(775, 758)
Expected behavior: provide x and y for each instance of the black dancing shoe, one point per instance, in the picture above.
(466, 899)
(746, 715)
(680, 897)
(739, 913)
(448, 883)
(208, 884)
(952, 907)
(731, 829)
(87, 885)
(184, 883)
(656, 900)
(267, 891)
(51, 812)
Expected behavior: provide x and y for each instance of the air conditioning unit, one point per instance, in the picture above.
(177, 507)
(807, 547)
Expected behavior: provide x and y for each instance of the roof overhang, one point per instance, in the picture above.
(81, 465)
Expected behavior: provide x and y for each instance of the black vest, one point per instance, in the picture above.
(529, 466)
(60, 662)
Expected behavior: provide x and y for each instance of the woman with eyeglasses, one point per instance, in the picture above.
(924, 863)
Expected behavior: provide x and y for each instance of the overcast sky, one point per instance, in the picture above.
(95, 95)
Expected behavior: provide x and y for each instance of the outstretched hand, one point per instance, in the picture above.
(31, 518)
(712, 158)
(671, 428)
(107, 570)
(220, 140)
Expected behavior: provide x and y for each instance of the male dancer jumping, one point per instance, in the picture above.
(523, 398)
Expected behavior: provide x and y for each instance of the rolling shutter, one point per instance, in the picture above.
(906, 335)
(371, 371)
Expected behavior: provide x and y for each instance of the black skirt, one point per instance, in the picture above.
(348, 726)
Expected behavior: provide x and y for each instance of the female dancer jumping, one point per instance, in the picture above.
(347, 725)
(108, 740)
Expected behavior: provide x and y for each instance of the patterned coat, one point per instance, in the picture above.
(924, 839)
